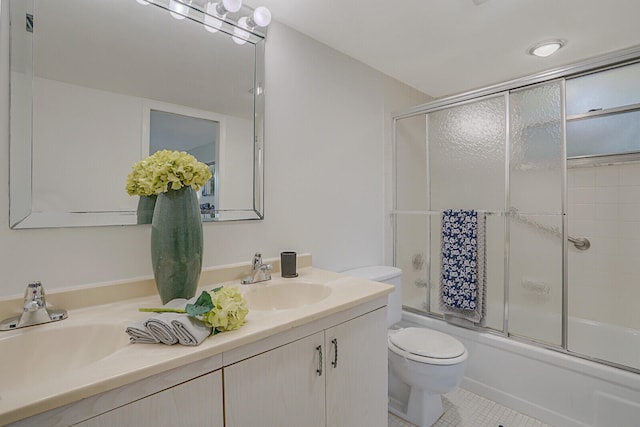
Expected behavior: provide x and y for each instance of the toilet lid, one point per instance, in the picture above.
(427, 343)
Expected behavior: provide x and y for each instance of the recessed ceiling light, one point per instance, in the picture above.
(546, 48)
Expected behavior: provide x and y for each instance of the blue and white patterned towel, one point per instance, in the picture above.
(463, 264)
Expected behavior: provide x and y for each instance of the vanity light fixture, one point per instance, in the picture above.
(179, 9)
(216, 12)
(261, 17)
(546, 48)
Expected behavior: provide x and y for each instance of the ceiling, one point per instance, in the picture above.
(444, 47)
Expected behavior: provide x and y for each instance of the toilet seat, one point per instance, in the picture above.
(427, 346)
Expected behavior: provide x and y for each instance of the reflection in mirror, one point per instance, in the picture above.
(93, 85)
(198, 137)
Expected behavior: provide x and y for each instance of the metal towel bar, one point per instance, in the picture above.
(580, 243)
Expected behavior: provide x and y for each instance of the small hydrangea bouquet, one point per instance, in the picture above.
(166, 170)
(222, 309)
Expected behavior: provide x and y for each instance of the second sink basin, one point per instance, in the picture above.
(285, 295)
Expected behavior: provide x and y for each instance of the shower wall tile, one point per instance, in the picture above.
(605, 229)
(607, 177)
(603, 281)
(629, 194)
(582, 177)
(582, 211)
(630, 174)
(605, 194)
(631, 229)
(607, 211)
(583, 195)
(581, 227)
(630, 212)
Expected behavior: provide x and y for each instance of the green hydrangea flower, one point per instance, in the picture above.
(166, 170)
(229, 312)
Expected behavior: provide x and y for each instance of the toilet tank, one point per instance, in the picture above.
(389, 275)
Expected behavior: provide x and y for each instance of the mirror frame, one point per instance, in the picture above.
(21, 214)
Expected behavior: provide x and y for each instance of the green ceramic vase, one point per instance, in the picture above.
(146, 205)
(176, 244)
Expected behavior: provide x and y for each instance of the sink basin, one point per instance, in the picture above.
(40, 353)
(285, 295)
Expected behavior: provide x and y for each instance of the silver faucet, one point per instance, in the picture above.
(259, 272)
(34, 310)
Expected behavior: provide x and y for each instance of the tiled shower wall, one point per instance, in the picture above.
(604, 205)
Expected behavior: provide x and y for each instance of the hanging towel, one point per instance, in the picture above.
(463, 280)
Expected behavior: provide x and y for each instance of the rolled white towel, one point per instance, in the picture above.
(190, 331)
(170, 328)
(138, 333)
(160, 327)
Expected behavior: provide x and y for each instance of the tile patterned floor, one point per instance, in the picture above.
(465, 409)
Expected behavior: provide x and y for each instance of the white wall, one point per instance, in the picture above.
(327, 132)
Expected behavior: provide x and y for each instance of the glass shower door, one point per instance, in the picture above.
(411, 215)
(536, 213)
(466, 152)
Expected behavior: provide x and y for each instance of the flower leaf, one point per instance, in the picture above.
(202, 305)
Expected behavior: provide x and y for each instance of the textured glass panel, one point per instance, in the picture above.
(602, 135)
(536, 164)
(411, 163)
(411, 258)
(494, 269)
(467, 156)
(535, 277)
(605, 89)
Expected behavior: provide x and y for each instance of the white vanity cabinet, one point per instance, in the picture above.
(335, 377)
(195, 403)
(356, 379)
(326, 370)
(277, 388)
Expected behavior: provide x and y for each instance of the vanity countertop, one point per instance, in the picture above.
(134, 362)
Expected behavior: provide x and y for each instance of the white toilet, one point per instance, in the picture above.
(423, 364)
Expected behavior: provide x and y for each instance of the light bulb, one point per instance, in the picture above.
(211, 23)
(219, 10)
(232, 5)
(261, 17)
(241, 36)
(178, 9)
(143, 2)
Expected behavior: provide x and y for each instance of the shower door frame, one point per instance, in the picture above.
(617, 58)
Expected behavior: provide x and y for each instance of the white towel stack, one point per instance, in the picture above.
(169, 328)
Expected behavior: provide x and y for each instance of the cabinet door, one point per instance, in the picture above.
(195, 403)
(280, 387)
(357, 374)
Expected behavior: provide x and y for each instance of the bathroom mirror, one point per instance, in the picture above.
(87, 78)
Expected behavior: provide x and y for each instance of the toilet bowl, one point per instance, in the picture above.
(423, 364)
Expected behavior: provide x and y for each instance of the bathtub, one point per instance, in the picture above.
(554, 387)
(594, 339)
